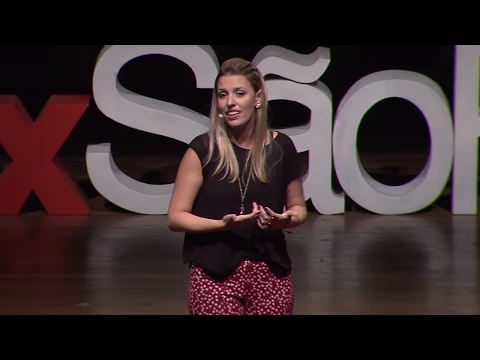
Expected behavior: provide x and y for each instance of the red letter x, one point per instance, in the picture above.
(33, 146)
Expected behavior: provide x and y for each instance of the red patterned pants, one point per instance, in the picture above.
(251, 290)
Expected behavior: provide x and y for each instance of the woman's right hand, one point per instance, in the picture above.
(232, 220)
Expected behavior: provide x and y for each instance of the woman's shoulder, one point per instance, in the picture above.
(282, 139)
(200, 140)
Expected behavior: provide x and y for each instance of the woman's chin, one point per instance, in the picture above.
(238, 123)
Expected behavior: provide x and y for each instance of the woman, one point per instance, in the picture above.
(238, 187)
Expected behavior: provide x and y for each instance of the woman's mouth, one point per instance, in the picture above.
(233, 115)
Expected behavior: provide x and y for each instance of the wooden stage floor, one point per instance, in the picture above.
(116, 263)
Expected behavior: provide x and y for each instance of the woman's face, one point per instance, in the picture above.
(236, 100)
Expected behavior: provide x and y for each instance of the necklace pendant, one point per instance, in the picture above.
(242, 210)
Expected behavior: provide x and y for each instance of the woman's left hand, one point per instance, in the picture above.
(268, 219)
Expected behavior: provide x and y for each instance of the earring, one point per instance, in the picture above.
(220, 116)
(257, 106)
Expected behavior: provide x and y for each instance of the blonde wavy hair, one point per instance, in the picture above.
(219, 133)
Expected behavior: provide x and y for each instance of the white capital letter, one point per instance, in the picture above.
(144, 114)
(316, 136)
(355, 181)
(467, 130)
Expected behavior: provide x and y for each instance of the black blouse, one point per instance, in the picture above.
(219, 253)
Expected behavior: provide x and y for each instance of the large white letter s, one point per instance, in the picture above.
(144, 114)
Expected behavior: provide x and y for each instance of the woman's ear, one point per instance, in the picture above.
(258, 98)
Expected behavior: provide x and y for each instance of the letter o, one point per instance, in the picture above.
(355, 181)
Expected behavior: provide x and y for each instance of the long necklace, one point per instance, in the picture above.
(243, 192)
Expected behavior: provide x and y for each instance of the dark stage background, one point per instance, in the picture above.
(35, 72)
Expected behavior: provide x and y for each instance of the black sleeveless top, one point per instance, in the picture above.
(219, 253)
